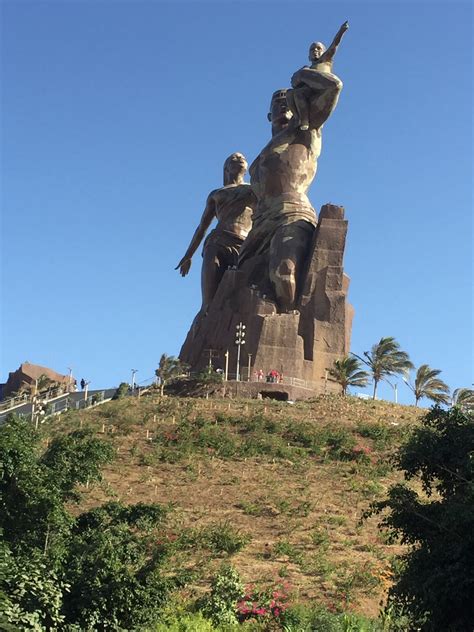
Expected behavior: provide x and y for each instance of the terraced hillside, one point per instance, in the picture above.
(278, 488)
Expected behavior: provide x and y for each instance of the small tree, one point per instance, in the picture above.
(227, 589)
(43, 383)
(427, 384)
(100, 570)
(434, 581)
(35, 486)
(208, 378)
(384, 359)
(122, 391)
(169, 368)
(347, 372)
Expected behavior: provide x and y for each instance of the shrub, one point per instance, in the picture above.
(185, 622)
(252, 509)
(252, 423)
(223, 538)
(268, 445)
(336, 520)
(362, 578)
(210, 378)
(270, 603)
(30, 593)
(434, 582)
(226, 590)
(320, 538)
(97, 397)
(340, 445)
(283, 547)
(218, 538)
(317, 618)
(115, 576)
(218, 439)
(304, 435)
(381, 435)
(122, 391)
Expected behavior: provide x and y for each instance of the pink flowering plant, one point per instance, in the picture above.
(263, 604)
(362, 453)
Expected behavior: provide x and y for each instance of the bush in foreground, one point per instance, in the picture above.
(434, 581)
(100, 570)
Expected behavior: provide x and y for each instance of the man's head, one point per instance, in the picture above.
(315, 51)
(280, 114)
(235, 168)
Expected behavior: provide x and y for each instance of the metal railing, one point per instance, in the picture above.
(13, 402)
(265, 379)
(25, 398)
(45, 409)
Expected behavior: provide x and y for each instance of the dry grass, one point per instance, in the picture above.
(300, 505)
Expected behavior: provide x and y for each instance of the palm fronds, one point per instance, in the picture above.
(427, 384)
(385, 358)
(347, 372)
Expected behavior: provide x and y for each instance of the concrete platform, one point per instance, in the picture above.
(278, 391)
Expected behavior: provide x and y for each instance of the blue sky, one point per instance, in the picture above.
(116, 120)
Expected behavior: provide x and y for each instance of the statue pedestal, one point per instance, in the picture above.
(301, 345)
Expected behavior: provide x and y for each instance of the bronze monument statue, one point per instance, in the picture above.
(289, 287)
(232, 205)
(280, 176)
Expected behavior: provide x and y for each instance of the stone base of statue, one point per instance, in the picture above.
(301, 345)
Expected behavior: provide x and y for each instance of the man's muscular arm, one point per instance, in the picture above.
(206, 219)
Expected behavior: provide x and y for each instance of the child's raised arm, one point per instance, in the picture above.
(331, 51)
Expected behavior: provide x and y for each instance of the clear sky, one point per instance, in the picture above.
(117, 117)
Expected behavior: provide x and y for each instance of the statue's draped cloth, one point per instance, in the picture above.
(224, 241)
(268, 217)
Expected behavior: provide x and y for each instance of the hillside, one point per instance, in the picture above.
(278, 488)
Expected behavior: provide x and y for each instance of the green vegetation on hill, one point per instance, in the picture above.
(434, 579)
(184, 514)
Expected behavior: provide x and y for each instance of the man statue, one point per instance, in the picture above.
(233, 206)
(284, 220)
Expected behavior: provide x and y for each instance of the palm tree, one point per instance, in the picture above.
(463, 398)
(427, 384)
(347, 372)
(384, 359)
(43, 383)
(169, 367)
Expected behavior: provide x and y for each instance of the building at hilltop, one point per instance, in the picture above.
(26, 376)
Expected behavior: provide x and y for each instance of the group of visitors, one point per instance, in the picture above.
(272, 376)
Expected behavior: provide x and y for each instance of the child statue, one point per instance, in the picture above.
(321, 65)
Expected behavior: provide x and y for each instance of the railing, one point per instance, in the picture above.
(47, 409)
(91, 400)
(284, 380)
(12, 402)
(24, 398)
(54, 393)
(296, 381)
